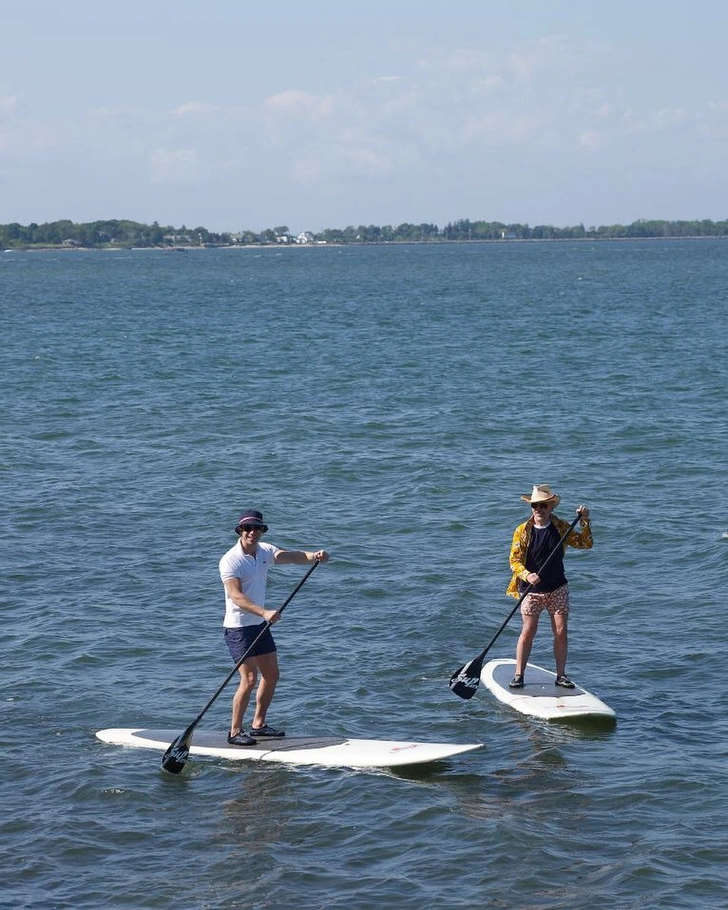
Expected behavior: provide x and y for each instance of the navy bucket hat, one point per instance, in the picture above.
(251, 517)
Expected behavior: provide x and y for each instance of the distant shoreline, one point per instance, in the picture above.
(368, 243)
(124, 234)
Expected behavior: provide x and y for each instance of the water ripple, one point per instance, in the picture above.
(390, 404)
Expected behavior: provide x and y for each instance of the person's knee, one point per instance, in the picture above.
(248, 679)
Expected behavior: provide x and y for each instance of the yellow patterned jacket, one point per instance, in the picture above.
(581, 539)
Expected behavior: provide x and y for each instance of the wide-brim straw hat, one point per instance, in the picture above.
(542, 492)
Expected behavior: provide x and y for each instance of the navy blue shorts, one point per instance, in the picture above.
(239, 640)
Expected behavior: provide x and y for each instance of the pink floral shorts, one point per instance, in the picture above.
(554, 601)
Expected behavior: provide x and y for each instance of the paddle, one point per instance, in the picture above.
(175, 757)
(466, 680)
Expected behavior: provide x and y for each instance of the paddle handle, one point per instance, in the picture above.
(529, 588)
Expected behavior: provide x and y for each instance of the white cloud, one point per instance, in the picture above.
(548, 94)
(353, 156)
(174, 165)
(117, 113)
(298, 105)
(8, 104)
(657, 120)
(591, 140)
(447, 122)
(195, 109)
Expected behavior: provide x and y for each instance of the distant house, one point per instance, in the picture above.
(177, 239)
(71, 243)
(305, 237)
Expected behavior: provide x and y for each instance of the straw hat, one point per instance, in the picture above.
(542, 492)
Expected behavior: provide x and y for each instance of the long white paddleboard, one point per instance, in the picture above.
(338, 752)
(541, 697)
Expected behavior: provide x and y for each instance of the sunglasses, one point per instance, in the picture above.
(249, 528)
(540, 505)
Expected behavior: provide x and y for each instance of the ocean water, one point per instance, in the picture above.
(391, 404)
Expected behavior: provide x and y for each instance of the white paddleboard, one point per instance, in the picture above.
(338, 752)
(541, 697)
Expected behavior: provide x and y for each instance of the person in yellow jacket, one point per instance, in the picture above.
(533, 542)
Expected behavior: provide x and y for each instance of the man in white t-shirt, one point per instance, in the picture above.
(244, 574)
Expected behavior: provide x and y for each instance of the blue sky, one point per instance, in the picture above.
(240, 115)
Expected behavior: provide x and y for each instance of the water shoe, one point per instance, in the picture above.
(267, 731)
(241, 739)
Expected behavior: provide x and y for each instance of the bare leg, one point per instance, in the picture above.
(525, 641)
(248, 677)
(559, 625)
(269, 673)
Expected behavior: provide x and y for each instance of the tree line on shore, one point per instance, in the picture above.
(125, 234)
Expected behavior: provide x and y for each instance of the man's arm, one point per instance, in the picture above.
(234, 591)
(300, 557)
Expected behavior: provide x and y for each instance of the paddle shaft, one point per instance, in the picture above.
(188, 732)
(528, 589)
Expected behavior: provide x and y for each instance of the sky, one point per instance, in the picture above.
(239, 115)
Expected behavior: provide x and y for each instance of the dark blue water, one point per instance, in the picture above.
(390, 404)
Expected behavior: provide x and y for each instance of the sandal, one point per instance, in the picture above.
(241, 739)
(265, 730)
(564, 682)
(516, 682)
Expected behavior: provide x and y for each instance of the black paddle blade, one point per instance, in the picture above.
(466, 680)
(175, 757)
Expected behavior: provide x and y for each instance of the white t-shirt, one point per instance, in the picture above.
(253, 574)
